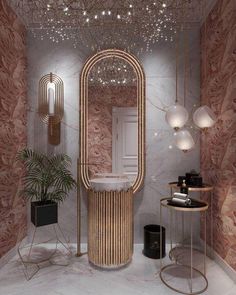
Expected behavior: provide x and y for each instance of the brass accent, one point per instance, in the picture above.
(31, 265)
(163, 203)
(177, 290)
(43, 107)
(54, 132)
(204, 188)
(110, 228)
(84, 113)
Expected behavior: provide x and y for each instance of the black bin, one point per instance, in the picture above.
(152, 239)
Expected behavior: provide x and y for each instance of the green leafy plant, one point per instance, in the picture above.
(46, 178)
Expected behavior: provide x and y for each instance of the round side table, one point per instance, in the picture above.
(203, 206)
(205, 188)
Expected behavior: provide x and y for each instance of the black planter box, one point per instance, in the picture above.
(152, 240)
(43, 213)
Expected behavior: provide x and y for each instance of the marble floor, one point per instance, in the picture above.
(140, 277)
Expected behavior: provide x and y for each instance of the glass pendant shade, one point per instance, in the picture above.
(176, 116)
(184, 140)
(204, 117)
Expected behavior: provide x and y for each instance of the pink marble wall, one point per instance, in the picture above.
(218, 145)
(100, 103)
(12, 127)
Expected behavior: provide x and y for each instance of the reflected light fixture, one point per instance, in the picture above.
(184, 140)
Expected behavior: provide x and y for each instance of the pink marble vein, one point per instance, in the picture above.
(218, 145)
(12, 127)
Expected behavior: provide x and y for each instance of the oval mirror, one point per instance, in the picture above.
(112, 118)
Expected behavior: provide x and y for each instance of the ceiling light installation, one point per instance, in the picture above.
(134, 25)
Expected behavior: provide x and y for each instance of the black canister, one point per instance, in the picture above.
(152, 240)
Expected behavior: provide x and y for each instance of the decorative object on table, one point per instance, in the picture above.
(51, 105)
(152, 242)
(192, 204)
(47, 182)
(179, 266)
(184, 188)
(193, 179)
(181, 199)
(180, 180)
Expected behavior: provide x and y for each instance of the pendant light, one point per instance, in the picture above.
(184, 140)
(204, 117)
(176, 115)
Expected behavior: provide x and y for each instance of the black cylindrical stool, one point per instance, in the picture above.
(152, 239)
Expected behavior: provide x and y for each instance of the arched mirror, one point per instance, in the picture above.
(112, 118)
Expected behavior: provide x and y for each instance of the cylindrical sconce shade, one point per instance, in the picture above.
(204, 117)
(184, 140)
(51, 99)
(176, 116)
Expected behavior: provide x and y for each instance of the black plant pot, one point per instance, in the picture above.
(44, 213)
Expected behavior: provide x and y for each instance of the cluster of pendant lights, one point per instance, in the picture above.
(177, 116)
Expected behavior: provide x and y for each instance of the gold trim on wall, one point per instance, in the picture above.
(110, 228)
(84, 113)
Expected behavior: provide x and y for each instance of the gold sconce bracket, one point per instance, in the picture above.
(51, 105)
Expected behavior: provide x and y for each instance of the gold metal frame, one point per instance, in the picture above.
(84, 113)
(31, 266)
(43, 99)
(110, 228)
(203, 209)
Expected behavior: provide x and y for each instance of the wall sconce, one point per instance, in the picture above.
(51, 105)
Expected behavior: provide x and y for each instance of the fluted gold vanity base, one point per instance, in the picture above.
(110, 228)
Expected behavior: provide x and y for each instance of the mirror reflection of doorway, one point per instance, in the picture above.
(125, 141)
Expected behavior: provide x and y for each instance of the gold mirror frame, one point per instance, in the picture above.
(83, 160)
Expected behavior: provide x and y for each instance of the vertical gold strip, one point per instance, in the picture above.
(110, 241)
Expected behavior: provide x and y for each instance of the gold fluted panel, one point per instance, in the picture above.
(110, 228)
(43, 105)
(84, 113)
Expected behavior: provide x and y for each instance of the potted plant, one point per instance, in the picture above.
(47, 181)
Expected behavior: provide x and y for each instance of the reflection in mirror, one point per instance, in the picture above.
(113, 119)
